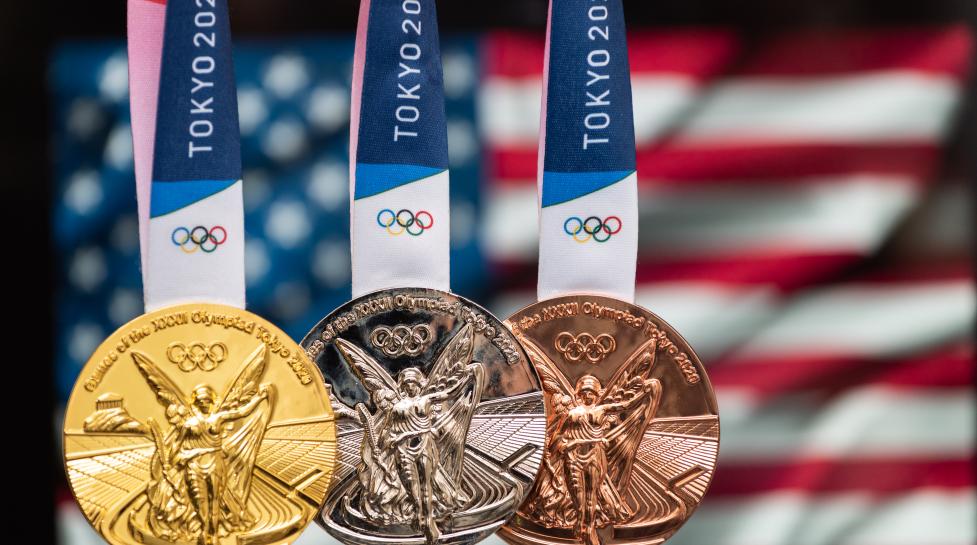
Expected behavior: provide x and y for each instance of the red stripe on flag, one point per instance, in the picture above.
(785, 270)
(949, 367)
(63, 495)
(513, 54)
(875, 476)
(704, 53)
(698, 54)
(768, 162)
(775, 162)
(945, 51)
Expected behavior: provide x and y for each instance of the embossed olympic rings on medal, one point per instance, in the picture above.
(584, 346)
(402, 340)
(197, 355)
(405, 221)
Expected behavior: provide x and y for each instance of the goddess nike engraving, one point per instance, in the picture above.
(414, 445)
(592, 442)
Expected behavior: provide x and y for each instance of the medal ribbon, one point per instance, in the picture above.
(399, 207)
(186, 145)
(588, 192)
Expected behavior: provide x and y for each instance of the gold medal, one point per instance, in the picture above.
(199, 424)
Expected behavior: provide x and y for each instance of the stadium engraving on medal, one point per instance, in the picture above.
(441, 419)
(179, 429)
(632, 430)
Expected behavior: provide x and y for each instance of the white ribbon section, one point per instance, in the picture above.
(197, 271)
(572, 259)
(385, 249)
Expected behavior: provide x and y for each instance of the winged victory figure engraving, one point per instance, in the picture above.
(413, 446)
(200, 473)
(592, 439)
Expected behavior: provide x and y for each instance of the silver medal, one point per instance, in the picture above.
(441, 421)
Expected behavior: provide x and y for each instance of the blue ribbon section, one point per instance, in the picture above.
(402, 132)
(589, 115)
(197, 151)
(561, 187)
(375, 179)
(169, 197)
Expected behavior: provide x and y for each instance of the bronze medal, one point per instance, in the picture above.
(632, 425)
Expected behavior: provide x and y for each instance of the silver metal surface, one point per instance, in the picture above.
(441, 419)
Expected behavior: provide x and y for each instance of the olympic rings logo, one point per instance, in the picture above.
(585, 346)
(600, 230)
(405, 221)
(197, 356)
(199, 238)
(402, 340)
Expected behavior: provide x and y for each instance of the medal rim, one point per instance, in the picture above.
(381, 291)
(317, 374)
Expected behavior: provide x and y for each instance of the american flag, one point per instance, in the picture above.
(798, 225)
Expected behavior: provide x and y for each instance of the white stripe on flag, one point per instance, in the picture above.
(848, 214)
(712, 317)
(511, 223)
(74, 528)
(869, 421)
(865, 107)
(873, 320)
(315, 535)
(509, 108)
(927, 517)
(851, 213)
(876, 107)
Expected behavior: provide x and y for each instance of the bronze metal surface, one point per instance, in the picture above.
(632, 427)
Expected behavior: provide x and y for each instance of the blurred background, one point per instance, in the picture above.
(806, 180)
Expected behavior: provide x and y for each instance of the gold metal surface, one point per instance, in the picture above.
(199, 424)
(632, 425)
